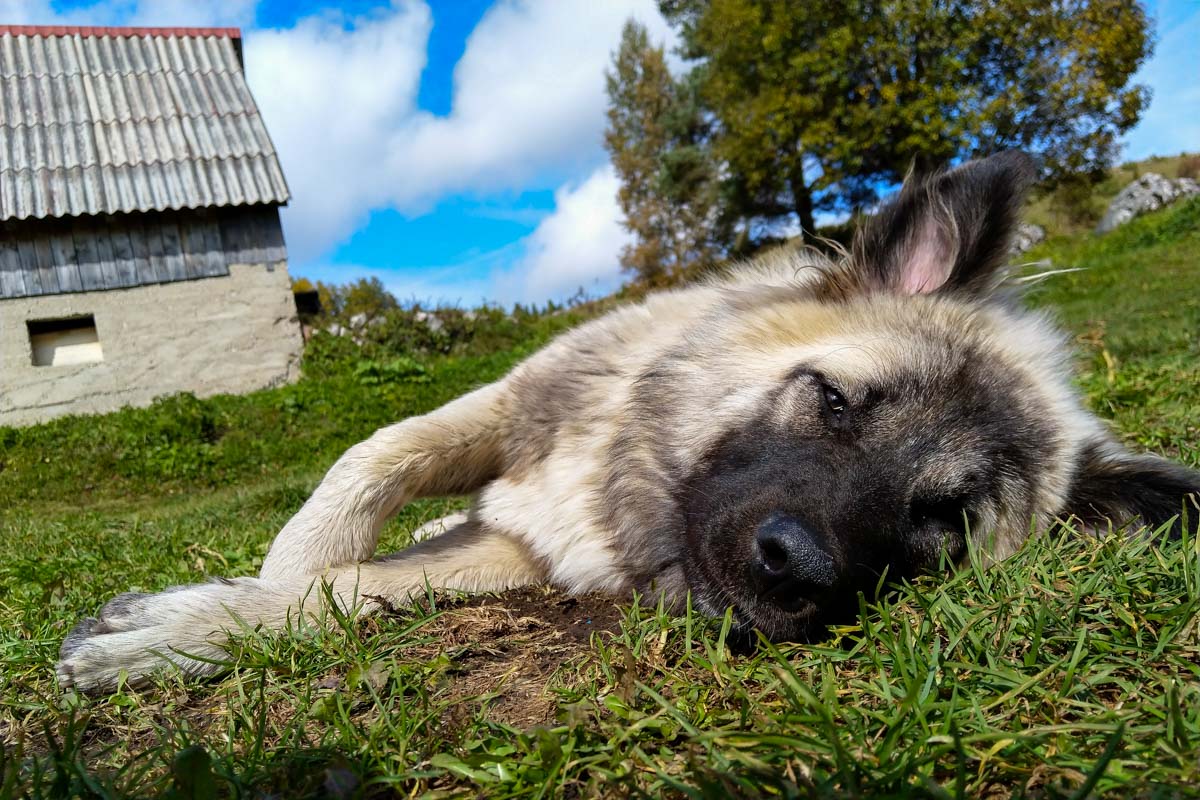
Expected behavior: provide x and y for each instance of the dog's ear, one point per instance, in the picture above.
(1112, 485)
(948, 233)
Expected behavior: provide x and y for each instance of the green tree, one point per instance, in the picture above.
(365, 298)
(818, 104)
(657, 136)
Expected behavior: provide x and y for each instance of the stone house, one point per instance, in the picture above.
(140, 247)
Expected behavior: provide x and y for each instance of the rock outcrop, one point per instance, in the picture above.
(1027, 237)
(1150, 192)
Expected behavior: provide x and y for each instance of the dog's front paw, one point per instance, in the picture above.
(138, 634)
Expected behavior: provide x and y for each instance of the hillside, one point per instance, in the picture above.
(1069, 212)
(1073, 668)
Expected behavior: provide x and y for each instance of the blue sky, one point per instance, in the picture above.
(453, 147)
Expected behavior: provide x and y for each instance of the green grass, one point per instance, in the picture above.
(1135, 308)
(1071, 670)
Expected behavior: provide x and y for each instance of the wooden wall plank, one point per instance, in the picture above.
(123, 256)
(33, 278)
(12, 279)
(272, 236)
(233, 238)
(104, 255)
(43, 257)
(154, 246)
(45, 264)
(255, 228)
(91, 276)
(173, 250)
(66, 260)
(140, 252)
(214, 256)
(192, 241)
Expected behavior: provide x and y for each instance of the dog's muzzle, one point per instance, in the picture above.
(789, 568)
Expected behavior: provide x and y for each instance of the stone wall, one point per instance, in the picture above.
(217, 335)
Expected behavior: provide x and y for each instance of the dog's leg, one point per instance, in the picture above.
(453, 450)
(137, 634)
(437, 527)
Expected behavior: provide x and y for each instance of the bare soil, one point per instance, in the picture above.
(506, 649)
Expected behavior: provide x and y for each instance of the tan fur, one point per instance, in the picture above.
(460, 448)
(536, 515)
(451, 451)
(185, 626)
(688, 444)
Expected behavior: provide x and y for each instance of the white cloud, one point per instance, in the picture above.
(170, 13)
(528, 98)
(578, 246)
(338, 94)
(332, 96)
(339, 97)
(575, 247)
(32, 12)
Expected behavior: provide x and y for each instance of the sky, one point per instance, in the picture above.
(453, 148)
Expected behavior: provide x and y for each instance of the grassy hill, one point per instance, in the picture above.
(1077, 211)
(1071, 670)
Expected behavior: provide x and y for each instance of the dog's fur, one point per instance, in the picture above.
(879, 410)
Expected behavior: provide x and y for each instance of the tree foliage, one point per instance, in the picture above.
(657, 136)
(356, 303)
(813, 107)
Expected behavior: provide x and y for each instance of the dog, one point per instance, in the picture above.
(774, 443)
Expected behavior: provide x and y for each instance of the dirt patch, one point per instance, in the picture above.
(508, 648)
(506, 653)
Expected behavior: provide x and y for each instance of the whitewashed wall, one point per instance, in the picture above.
(228, 334)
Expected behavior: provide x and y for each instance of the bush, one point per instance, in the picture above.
(1074, 205)
(398, 370)
(1189, 167)
(417, 333)
(174, 439)
(327, 355)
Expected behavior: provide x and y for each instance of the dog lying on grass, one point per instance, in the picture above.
(773, 443)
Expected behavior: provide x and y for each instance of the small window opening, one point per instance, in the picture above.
(57, 342)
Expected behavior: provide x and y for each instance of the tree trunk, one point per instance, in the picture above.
(802, 199)
(923, 166)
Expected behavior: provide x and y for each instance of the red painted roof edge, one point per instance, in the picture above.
(87, 30)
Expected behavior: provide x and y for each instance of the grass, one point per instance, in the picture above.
(1072, 670)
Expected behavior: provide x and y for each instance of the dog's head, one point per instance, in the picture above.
(887, 410)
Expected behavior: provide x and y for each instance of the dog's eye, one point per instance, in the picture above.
(834, 401)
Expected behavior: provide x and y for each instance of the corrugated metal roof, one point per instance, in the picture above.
(96, 121)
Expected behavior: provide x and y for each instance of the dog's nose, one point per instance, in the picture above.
(789, 564)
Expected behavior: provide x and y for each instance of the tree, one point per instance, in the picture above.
(360, 302)
(818, 105)
(656, 136)
(367, 298)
